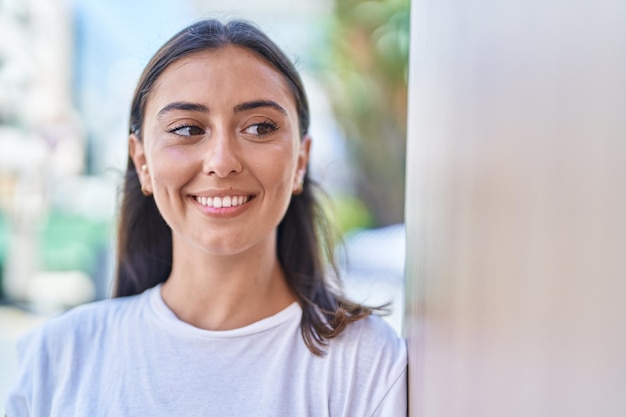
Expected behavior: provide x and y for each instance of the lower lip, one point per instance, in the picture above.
(222, 211)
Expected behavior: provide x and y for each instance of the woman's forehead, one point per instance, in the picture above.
(224, 76)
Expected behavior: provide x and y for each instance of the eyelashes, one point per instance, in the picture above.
(265, 128)
(186, 130)
(262, 129)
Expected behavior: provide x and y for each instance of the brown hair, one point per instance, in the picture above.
(304, 247)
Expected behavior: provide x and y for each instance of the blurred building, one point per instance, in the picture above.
(35, 59)
(40, 136)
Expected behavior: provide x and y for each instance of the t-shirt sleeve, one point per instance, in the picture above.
(383, 357)
(394, 403)
(32, 364)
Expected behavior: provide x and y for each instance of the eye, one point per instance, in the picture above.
(186, 130)
(261, 129)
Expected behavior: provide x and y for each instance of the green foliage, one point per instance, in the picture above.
(365, 65)
(350, 213)
(71, 242)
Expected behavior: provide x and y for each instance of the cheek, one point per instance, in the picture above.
(277, 168)
(170, 165)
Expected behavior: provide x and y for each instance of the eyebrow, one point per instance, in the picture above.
(259, 103)
(184, 106)
(201, 108)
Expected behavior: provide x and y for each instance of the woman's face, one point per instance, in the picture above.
(222, 150)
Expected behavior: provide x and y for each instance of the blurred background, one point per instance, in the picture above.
(67, 73)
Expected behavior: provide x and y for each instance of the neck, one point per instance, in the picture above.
(222, 292)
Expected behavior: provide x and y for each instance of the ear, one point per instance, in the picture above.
(301, 165)
(137, 153)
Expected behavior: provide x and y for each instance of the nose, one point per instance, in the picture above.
(222, 156)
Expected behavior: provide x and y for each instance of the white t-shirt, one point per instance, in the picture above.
(132, 356)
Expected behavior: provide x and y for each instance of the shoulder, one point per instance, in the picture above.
(373, 344)
(371, 360)
(370, 345)
(84, 322)
(48, 353)
(375, 335)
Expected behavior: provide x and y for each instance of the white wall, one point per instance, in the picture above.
(516, 208)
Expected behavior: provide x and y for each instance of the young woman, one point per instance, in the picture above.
(223, 305)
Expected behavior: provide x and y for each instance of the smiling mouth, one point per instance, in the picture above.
(223, 202)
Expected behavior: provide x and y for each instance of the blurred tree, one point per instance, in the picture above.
(364, 62)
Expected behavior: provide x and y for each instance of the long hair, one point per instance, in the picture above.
(304, 246)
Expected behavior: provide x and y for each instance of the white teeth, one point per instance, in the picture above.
(226, 201)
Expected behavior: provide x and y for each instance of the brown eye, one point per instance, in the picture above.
(187, 130)
(261, 129)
